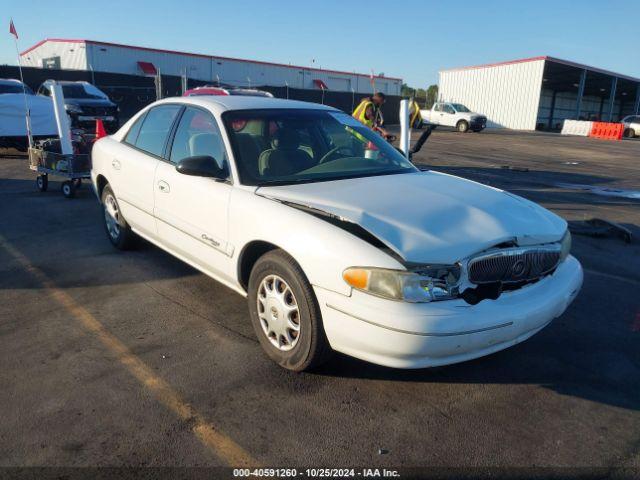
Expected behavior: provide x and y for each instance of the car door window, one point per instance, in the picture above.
(438, 107)
(197, 135)
(155, 129)
(449, 109)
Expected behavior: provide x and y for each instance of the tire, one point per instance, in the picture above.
(629, 133)
(462, 126)
(42, 182)
(68, 189)
(118, 230)
(310, 347)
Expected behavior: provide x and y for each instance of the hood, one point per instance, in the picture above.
(89, 102)
(428, 217)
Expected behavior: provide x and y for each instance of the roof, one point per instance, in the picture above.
(545, 58)
(239, 102)
(10, 80)
(200, 55)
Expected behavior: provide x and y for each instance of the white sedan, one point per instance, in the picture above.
(338, 242)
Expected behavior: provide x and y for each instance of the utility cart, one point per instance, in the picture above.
(74, 167)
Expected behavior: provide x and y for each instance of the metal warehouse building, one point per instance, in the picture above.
(541, 92)
(115, 58)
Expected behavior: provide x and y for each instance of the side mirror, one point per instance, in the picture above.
(201, 166)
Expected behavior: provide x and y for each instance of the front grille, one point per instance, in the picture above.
(513, 265)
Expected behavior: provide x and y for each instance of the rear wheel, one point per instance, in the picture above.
(117, 228)
(462, 126)
(285, 314)
(629, 133)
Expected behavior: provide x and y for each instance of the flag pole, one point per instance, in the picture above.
(24, 87)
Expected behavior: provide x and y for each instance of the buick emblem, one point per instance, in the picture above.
(519, 268)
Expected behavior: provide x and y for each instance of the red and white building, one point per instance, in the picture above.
(132, 60)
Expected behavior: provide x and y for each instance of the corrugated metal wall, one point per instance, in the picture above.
(121, 59)
(73, 55)
(507, 94)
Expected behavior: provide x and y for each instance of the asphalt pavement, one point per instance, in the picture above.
(136, 359)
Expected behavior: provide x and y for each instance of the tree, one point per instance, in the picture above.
(431, 96)
(424, 97)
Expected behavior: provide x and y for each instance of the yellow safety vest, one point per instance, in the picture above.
(415, 119)
(360, 112)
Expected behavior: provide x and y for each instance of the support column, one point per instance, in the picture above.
(612, 98)
(583, 80)
(552, 110)
(637, 106)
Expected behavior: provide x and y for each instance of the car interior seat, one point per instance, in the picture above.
(285, 156)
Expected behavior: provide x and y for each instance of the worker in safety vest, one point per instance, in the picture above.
(368, 112)
(415, 119)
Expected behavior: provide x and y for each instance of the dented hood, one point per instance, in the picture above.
(428, 217)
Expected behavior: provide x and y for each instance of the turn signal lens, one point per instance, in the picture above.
(356, 277)
(565, 246)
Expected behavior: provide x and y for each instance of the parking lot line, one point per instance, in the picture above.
(212, 438)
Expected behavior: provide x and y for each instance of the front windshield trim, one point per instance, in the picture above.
(311, 123)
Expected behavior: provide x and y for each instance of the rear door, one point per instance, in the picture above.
(133, 166)
(191, 212)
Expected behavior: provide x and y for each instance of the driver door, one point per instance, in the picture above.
(192, 212)
(448, 115)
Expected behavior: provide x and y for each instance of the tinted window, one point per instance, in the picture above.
(198, 134)
(132, 136)
(448, 109)
(155, 128)
(438, 107)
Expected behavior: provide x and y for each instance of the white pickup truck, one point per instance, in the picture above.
(454, 115)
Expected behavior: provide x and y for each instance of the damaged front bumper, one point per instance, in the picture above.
(408, 335)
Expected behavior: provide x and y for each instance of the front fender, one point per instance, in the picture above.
(322, 250)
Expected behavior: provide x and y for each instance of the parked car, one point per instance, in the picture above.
(337, 241)
(13, 125)
(85, 103)
(210, 90)
(454, 115)
(631, 126)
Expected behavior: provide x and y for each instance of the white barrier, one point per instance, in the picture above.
(576, 127)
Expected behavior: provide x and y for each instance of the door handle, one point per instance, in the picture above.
(115, 163)
(163, 186)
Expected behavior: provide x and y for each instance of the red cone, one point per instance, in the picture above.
(100, 131)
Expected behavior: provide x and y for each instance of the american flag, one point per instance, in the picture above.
(12, 29)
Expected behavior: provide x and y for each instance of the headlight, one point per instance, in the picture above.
(565, 245)
(71, 108)
(423, 284)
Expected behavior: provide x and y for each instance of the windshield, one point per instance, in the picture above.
(460, 108)
(286, 146)
(14, 88)
(79, 90)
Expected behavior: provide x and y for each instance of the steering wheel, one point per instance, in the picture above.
(325, 158)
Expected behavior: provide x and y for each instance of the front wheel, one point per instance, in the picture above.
(42, 182)
(285, 314)
(462, 126)
(117, 228)
(68, 189)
